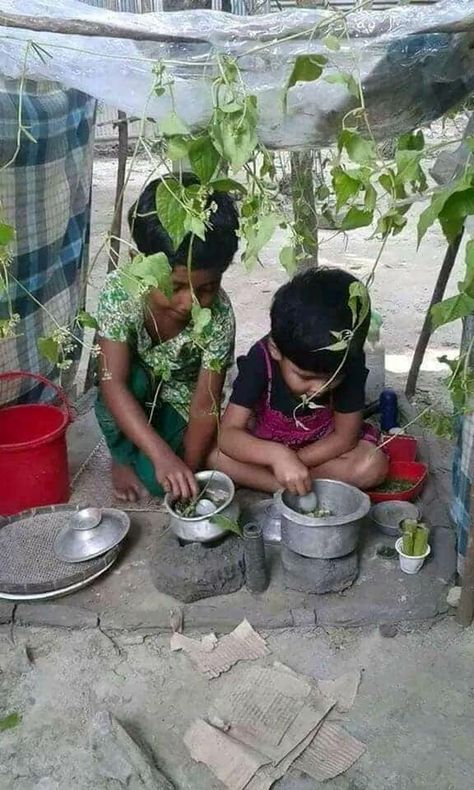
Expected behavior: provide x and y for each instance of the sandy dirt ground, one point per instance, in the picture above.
(413, 709)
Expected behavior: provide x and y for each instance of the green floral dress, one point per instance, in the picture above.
(176, 362)
(173, 366)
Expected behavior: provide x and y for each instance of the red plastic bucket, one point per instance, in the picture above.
(33, 453)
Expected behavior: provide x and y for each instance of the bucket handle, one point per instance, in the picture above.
(20, 374)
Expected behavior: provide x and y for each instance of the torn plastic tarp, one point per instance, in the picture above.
(414, 63)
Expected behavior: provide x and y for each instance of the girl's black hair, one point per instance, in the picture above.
(216, 252)
(304, 313)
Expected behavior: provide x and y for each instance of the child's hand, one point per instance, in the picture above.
(290, 472)
(176, 478)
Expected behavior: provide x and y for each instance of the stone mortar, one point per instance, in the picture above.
(309, 575)
(193, 571)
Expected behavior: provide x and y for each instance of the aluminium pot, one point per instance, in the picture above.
(330, 536)
(201, 529)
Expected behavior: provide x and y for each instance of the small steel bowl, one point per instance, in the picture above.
(79, 541)
(201, 529)
(387, 516)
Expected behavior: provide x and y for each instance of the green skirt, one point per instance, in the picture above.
(167, 422)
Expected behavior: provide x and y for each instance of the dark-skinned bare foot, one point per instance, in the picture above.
(127, 486)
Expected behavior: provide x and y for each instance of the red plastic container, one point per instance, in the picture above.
(400, 448)
(33, 453)
(403, 470)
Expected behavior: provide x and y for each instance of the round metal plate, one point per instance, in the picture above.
(57, 593)
(28, 564)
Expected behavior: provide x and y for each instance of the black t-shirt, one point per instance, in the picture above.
(252, 383)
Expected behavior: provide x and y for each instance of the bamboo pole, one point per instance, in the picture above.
(93, 28)
(463, 155)
(426, 330)
(116, 227)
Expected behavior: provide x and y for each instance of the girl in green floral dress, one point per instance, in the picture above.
(160, 380)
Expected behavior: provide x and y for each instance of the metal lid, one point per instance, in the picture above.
(80, 541)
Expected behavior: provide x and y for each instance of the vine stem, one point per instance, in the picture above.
(20, 110)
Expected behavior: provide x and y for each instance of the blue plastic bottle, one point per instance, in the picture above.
(388, 409)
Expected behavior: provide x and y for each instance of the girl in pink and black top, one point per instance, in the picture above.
(272, 436)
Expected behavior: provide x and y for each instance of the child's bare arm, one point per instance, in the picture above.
(343, 439)
(238, 443)
(171, 472)
(204, 414)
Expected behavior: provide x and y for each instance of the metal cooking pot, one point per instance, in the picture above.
(200, 529)
(328, 537)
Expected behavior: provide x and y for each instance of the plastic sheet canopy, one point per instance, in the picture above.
(413, 63)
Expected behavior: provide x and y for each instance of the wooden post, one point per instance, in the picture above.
(304, 208)
(425, 334)
(302, 192)
(460, 158)
(465, 611)
(116, 227)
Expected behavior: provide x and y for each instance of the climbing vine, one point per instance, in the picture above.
(363, 189)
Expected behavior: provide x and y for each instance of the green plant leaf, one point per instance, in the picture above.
(468, 283)
(260, 233)
(49, 349)
(201, 318)
(235, 134)
(386, 182)
(438, 201)
(204, 158)
(342, 78)
(370, 198)
(459, 205)
(7, 234)
(249, 261)
(156, 269)
(339, 345)
(451, 227)
(358, 148)
(86, 320)
(177, 147)
(408, 165)
(452, 309)
(359, 303)
(171, 212)
(391, 223)
(196, 226)
(228, 185)
(172, 125)
(412, 141)
(344, 185)
(288, 260)
(232, 106)
(307, 68)
(357, 218)
(10, 721)
(227, 524)
(332, 43)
